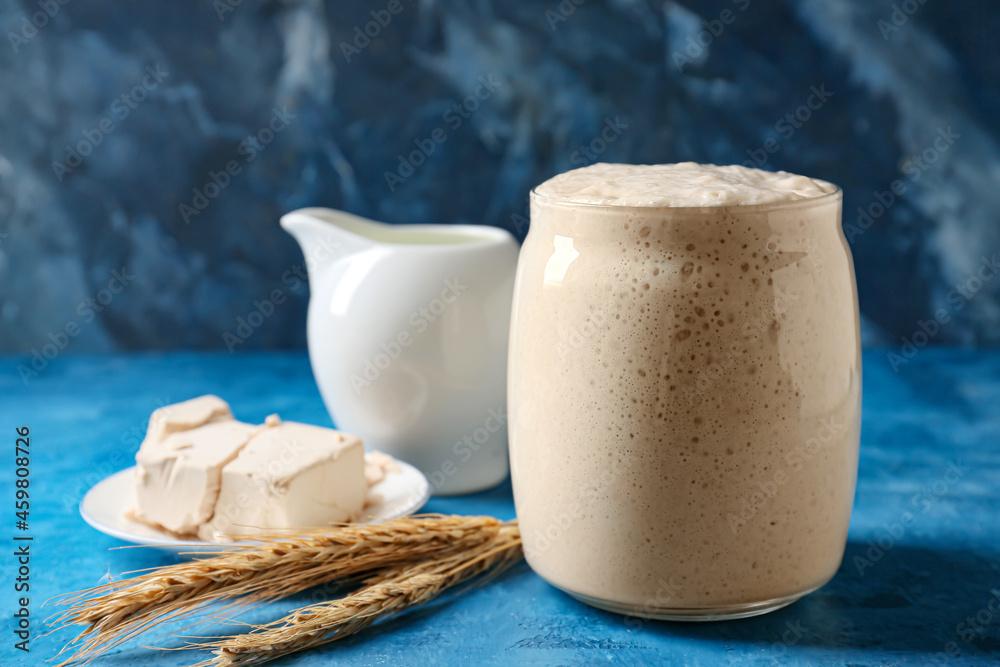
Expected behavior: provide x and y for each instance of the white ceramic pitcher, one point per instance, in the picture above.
(407, 334)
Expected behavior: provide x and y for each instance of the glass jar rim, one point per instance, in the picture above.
(782, 205)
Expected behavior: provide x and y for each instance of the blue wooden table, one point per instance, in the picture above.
(920, 583)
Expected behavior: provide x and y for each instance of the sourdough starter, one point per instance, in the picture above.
(684, 388)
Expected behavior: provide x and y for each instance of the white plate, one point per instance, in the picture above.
(104, 507)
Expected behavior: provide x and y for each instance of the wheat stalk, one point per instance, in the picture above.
(390, 592)
(275, 567)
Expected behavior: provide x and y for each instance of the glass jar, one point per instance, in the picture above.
(684, 394)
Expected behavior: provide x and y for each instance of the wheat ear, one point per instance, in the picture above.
(390, 592)
(275, 567)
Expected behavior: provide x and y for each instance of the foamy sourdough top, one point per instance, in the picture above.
(679, 185)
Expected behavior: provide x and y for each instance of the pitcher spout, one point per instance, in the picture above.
(326, 235)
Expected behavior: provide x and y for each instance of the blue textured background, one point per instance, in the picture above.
(562, 71)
